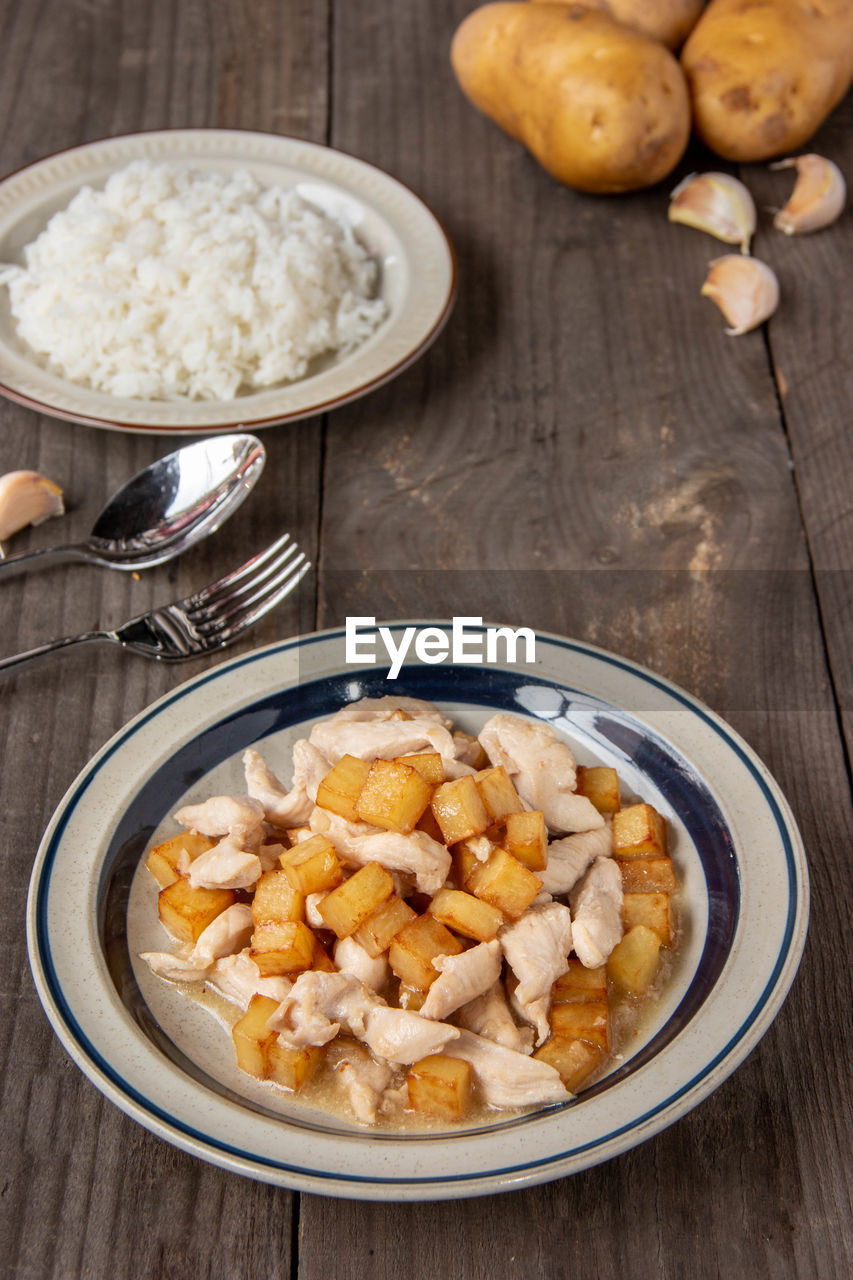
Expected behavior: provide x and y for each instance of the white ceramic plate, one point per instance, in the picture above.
(168, 1063)
(417, 274)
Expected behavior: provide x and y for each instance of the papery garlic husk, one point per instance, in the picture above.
(818, 197)
(745, 290)
(26, 497)
(716, 203)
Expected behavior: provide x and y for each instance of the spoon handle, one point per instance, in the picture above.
(44, 556)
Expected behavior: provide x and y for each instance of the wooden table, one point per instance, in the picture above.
(583, 450)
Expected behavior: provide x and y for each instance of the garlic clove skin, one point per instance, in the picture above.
(715, 203)
(818, 198)
(745, 290)
(26, 497)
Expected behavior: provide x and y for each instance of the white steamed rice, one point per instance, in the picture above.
(177, 283)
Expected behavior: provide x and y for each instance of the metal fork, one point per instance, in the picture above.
(210, 619)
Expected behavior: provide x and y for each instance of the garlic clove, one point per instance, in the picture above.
(745, 290)
(26, 497)
(818, 197)
(716, 203)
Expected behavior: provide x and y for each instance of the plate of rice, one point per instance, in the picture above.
(193, 280)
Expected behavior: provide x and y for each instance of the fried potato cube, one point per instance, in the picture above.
(411, 998)
(459, 810)
(466, 914)
(633, 962)
(163, 859)
(427, 823)
(429, 765)
(638, 832)
(313, 865)
(276, 899)
(505, 883)
(416, 946)
(648, 875)
(599, 784)
(290, 1068)
(499, 795)
(581, 1022)
(479, 759)
(339, 790)
(574, 1059)
(527, 839)
(282, 946)
(380, 928)
(252, 1037)
(650, 909)
(321, 960)
(579, 985)
(186, 912)
(347, 907)
(440, 1086)
(393, 797)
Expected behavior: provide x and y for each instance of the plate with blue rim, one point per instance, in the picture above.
(167, 1063)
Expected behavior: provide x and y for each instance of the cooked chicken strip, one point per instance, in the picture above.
(537, 948)
(352, 958)
(542, 767)
(597, 913)
(225, 866)
(569, 858)
(489, 1016)
(286, 808)
(462, 978)
(506, 1078)
(238, 978)
(239, 817)
(416, 854)
(365, 1080)
(380, 739)
(389, 706)
(401, 1035)
(343, 834)
(230, 931)
(312, 915)
(319, 1004)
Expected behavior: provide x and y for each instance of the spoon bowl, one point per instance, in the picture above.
(163, 510)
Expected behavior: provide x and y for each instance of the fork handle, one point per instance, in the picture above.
(52, 646)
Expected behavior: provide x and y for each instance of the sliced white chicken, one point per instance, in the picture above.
(416, 854)
(225, 866)
(542, 767)
(238, 978)
(401, 1035)
(380, 739)
(489, 1015)
(390, 706)
(365, 1080)
(239, 817)
(461, 978)
(506, 1078)
(351, 957)
(597, 913)
(230, 931)
(569, 858)
(537, 948)
(319, 1004)
(312, 915)
(285, 808)
(343, 834)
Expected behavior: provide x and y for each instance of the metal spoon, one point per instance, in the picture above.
(164, 509)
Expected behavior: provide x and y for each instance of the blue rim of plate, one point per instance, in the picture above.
(263, 716)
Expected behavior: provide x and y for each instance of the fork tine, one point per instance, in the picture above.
(229, 629)
(227, 599)
(233, 608)
(216, 589)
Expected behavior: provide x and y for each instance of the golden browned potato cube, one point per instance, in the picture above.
(186, 912)
(276, 899)
(633, 962)
(280, 947)
(394, 796)
(581, 1022)
(574, 1059)
(252, 1037)
(163, 859)
(339, 790)
(346, 908)
(466, 914)
(321, 959)
(505, 883)
(379, 929)
(650, 909)
(416, 946)
(527, 839)
(440, 1086)
(429, 765)
(499, 795)
(459, 810)
(579, 985)
(639, 832)
(290, 1068)
(464, 862)
(313, 866)
(648, 875)
(479, 760)
(411, 998)
(427, 823)
(600, 785)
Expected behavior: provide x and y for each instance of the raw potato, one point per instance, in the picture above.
(764, 74)
(601, 107)
(669, 21)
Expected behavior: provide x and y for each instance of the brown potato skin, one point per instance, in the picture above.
(764, 74)
(602, 108)
(669, 21)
